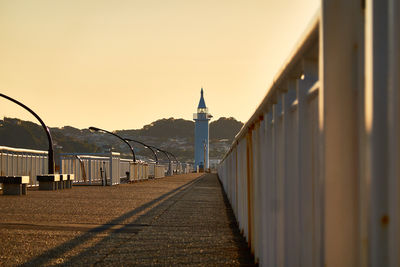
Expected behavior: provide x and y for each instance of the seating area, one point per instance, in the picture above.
(14, 185)
(55, 181)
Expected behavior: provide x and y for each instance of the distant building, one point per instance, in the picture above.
(201, 135)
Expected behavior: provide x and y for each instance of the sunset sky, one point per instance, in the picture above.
(123, 64)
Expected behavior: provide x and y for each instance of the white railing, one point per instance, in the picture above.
(17, 161)
(139, 171)
(159, 171)
(124, 167)
(87, 168)
(92, 167)
(314, 176)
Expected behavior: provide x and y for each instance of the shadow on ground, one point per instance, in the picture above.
(190, 225)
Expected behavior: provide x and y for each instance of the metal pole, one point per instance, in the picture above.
(205, 149)
(176, 160)
(166, 154)
(46, 129)
(341, 71)
(147, 146)
(101, 130)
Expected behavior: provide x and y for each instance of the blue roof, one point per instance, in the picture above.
(202, 104)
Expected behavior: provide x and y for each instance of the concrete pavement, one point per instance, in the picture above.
(179, 220)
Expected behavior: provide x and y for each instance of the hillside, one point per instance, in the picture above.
(26, 134)
(174, 135)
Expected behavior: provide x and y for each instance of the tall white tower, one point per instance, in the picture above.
(201, 134)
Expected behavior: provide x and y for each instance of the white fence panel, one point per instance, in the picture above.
(313, 177)
(17, 161)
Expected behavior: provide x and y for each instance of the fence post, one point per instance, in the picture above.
(340, 70)
(376, 126)
(394, 132)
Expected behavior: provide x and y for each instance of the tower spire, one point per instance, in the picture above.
(202, 103)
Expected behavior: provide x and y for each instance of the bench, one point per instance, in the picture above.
(62, 183)
(48, 182)
(67, 180)
(52, 182)
(14, 185)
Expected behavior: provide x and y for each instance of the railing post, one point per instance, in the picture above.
(90, 170)
(307, 176)
(270, 201)
(291, 180)
(340, 70)
(250, 188)
(262, 187)
(256, 185)
(376, 126)
(279, 177)
(394, 132)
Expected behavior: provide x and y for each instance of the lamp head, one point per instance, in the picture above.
(94, 129)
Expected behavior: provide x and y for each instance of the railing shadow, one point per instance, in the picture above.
(245, 256)
(62, 249)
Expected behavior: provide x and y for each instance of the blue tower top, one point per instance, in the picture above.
(202, 104)
(202, 110)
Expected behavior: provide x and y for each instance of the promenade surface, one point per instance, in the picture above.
(179, 220)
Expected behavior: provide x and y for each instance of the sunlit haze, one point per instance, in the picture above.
(123, 64)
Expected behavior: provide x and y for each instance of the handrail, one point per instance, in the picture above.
(23, 150)
(308, 39)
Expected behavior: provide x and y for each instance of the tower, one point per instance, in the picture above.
(201, 134)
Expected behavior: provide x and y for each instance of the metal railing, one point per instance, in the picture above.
(139, 171)
(313, 176)
(87, 168)
(124, 169)
(17, 161)
(92, 168)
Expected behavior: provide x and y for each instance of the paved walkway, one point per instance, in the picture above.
(179, 220)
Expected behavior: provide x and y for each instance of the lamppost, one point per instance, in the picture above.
(146, 146)
(205, 153)
(176, 160)
(46, 129)
(94, 129)
(166, 154)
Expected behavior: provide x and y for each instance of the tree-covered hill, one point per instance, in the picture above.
(174, 135)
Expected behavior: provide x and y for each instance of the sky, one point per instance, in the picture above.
(123, 64)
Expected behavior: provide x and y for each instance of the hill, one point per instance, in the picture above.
(174, 135)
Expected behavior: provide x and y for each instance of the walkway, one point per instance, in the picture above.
(179, 220)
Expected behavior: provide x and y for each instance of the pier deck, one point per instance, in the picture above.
(179, 220)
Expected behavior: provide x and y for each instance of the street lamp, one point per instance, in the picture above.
(46, 129)
(94, 129)
(146, 146)
(176, 160)
(166, 154)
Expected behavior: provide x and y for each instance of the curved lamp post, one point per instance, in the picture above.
(176, 160)
(46, 129)
(173, 156)
(94, 129)
(166, 154)
(146, 146)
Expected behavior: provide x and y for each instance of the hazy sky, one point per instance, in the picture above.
(123, 64)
